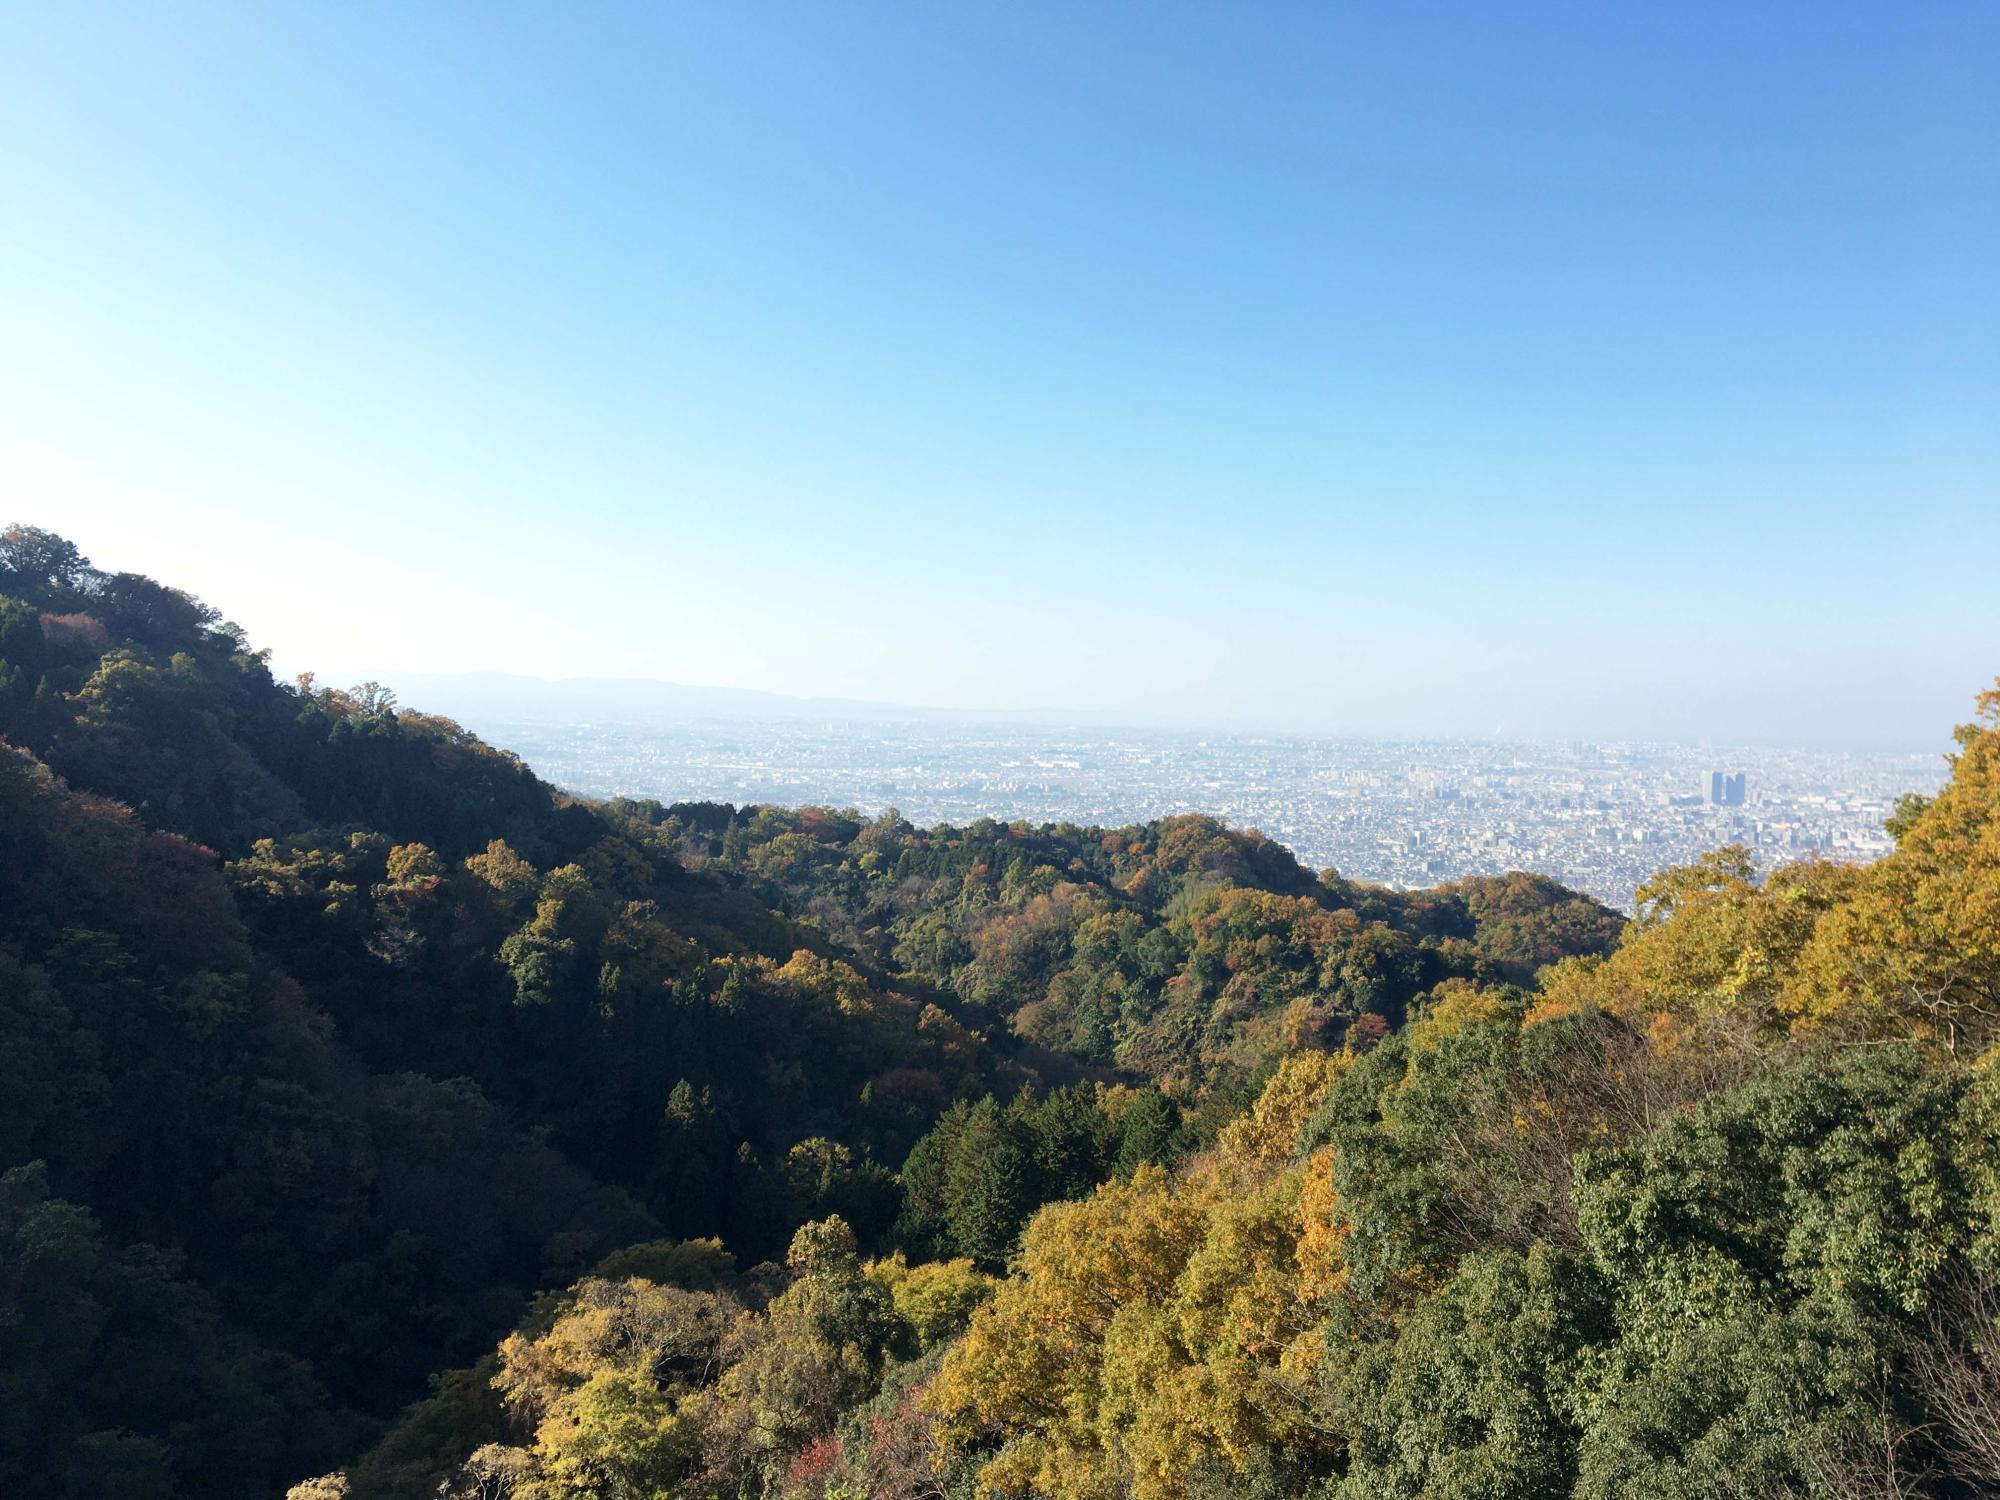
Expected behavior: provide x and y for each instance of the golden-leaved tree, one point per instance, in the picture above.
(1159, 1323)
(1906, 947)
(1917, 943)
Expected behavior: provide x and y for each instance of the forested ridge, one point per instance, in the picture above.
(371, 1110)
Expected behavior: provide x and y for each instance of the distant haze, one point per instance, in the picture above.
(481, 699)
(507, 695)
(1601, 817)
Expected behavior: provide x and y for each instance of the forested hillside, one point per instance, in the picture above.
(1715, 1214)
(371, 1110)
(1191, 952)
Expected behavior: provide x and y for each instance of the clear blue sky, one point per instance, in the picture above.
(1594, 369)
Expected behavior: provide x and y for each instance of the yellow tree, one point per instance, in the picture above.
(1160, 1323)
(1916, 946)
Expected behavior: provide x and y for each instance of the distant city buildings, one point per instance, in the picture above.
(1601, 817)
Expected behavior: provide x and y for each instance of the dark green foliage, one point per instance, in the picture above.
(987, 1187)
(1266, 1473)
(1415, 1137)
(1716, 1306)
(1476, 1396)
(1746, 1399)
(40, 564)
(151, 738)
(978, 1176)
(194, 1101)
(1834, 1176)
(120, 1378)
(1149, 1130)
(238, 1062)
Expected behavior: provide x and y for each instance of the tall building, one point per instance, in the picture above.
(1725, 790)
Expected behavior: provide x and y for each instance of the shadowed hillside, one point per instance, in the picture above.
(329, 1036)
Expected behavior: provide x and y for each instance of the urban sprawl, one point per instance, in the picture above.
(1600, 817)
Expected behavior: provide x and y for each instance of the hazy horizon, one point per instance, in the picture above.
(1615, 373)
(489, 693)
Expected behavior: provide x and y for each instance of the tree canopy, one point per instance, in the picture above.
(378, 1121)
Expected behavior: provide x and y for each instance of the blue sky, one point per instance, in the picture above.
(1587, 369)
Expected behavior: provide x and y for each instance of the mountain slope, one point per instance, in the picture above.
(329, 1036)
(1716, 1214)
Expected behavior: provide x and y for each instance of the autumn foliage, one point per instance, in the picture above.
(377, 1121)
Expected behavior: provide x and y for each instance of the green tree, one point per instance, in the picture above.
(989, 1188)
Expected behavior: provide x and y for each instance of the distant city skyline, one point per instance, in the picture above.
(1616, 371)
(1600, 817)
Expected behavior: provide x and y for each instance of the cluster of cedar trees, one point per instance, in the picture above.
(810, 1155)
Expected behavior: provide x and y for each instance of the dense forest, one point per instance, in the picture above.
(379, 1122)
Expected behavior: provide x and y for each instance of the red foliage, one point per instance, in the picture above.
(95, 865)
(75, 630)
(816, 824)
(814, 1462)
(916, 1089)
(1366, 1031)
